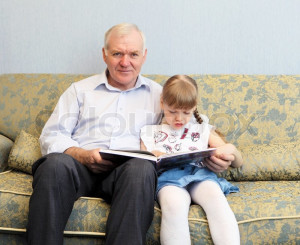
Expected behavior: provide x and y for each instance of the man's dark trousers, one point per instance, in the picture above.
(59, 180)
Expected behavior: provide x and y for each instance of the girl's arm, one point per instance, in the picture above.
(156, 153)
(227, 154)
(143, 147)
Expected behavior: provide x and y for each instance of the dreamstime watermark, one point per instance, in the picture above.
(232, 125)
(115, 124)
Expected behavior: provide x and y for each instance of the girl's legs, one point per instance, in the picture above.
(175, 203)
(222, 223)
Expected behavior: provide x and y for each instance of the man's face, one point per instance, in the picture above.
(124, 59)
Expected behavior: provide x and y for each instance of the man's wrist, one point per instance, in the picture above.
(73, 151)
(70, 150)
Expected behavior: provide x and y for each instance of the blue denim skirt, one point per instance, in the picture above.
(183, 176)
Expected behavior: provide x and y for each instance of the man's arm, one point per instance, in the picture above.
(56, 134)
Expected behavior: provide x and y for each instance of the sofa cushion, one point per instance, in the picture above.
(277, 161)
(25, 151)
(5, 147)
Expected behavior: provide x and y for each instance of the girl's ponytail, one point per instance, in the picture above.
(197, 116)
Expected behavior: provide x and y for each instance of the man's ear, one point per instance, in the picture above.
(145, 56)
(104, 55)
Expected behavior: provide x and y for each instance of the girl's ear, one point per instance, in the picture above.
(161, 103)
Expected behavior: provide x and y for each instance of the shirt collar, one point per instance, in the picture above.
(141, 82)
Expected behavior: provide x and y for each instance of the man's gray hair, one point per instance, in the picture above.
(123, 29)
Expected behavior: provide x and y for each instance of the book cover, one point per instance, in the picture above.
(163, 162)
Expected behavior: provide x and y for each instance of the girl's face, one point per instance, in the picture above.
(176, 118)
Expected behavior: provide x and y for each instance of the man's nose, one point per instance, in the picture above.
(124, 60)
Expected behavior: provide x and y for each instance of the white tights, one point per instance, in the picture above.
(175, 203)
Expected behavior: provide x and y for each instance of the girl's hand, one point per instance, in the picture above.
(158, 153)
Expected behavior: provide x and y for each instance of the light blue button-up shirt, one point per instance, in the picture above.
(92, 114)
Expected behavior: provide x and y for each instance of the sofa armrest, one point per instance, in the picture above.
(5, 147)
(277, 161)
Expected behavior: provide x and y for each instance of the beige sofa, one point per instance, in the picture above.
(258, 113)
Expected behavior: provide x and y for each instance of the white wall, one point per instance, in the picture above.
(183, 36)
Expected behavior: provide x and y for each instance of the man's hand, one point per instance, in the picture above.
(91, 159)
(226, 155)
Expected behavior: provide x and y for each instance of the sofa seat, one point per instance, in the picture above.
(261, 207)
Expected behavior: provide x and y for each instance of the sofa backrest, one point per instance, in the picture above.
(247, 109)
(27, 100)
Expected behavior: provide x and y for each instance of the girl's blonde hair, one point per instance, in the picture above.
(181, 91)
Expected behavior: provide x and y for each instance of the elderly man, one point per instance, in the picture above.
(103, 111)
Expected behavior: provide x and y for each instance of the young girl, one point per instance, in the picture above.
(178, 187)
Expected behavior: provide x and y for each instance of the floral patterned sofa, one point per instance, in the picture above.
(258, 113)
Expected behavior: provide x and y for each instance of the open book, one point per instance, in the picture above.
(161, 163)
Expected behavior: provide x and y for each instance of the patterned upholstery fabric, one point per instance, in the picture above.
(25, 151)
(27, 100)
(5, 146)
(277, 161)
(260, 114)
